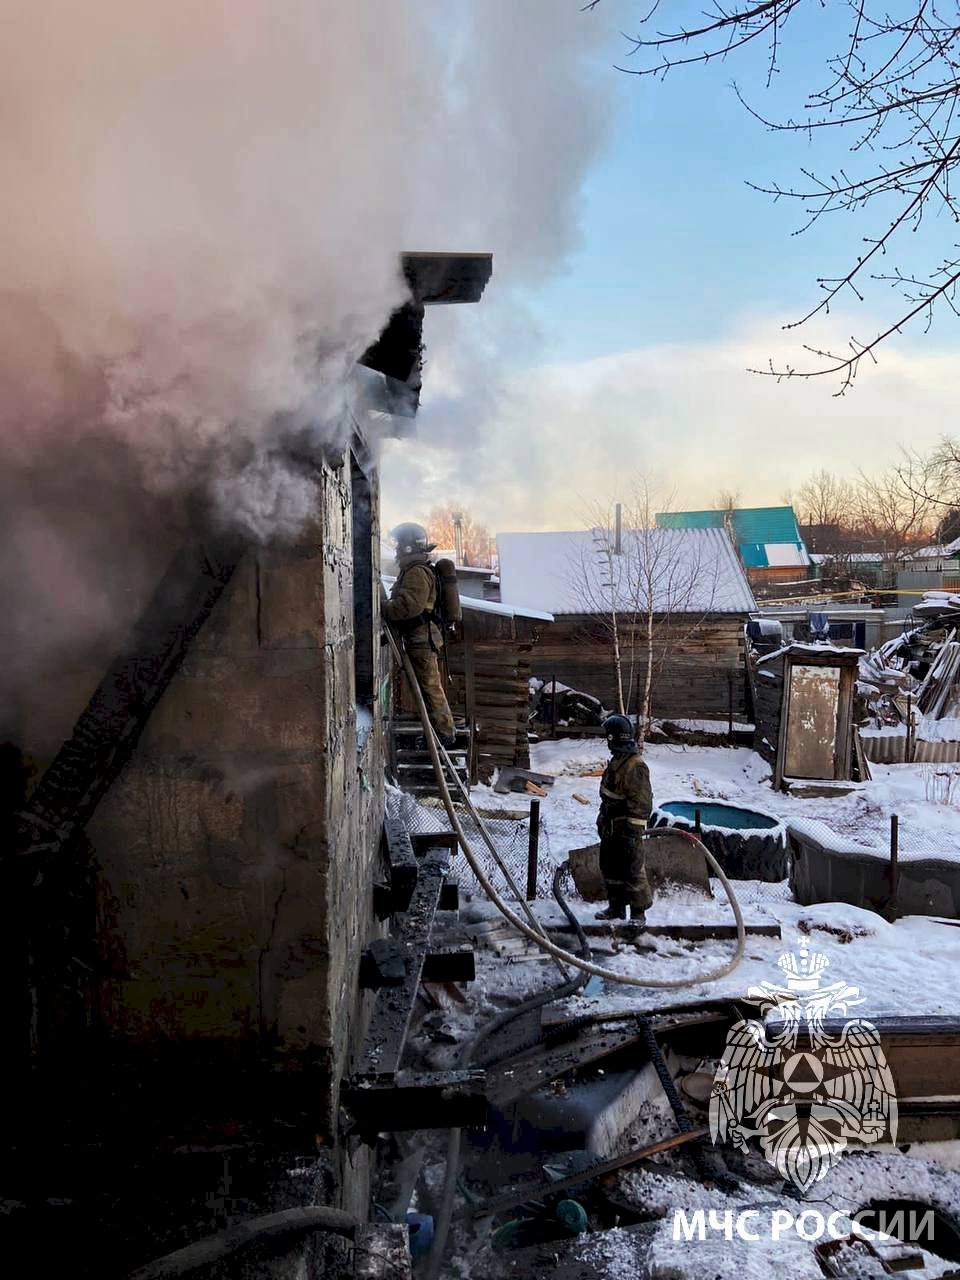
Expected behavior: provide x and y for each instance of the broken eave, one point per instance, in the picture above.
(397, 354)
(447, 277)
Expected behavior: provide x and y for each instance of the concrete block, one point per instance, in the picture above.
(670, 859)
(585, 869)
(290, 585)
(271, 701)
(232, 626)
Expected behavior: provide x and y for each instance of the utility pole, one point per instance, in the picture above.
(458, 536)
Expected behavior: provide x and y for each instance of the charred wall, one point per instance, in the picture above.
(230, 864)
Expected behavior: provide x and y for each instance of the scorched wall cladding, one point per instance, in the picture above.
(235, 851)
(691, 662)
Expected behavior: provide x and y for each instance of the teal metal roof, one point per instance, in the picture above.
(754, 526)
(754, 555)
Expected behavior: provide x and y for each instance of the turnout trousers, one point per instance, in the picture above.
(624, 872)
(423, 659)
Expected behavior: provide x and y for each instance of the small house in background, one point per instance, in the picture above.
(767, 539)
(934, 568)
(850, 567)
(490, 676)
(699, 598)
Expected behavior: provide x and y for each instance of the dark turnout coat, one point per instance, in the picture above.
(626, 801)
(412, 600)
(409, 609)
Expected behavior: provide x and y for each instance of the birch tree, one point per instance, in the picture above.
(640, 581)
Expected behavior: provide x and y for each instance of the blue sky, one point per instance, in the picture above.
(629, 358)
(674, 241)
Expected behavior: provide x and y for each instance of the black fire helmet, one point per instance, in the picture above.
(619, 733)
(411, 539)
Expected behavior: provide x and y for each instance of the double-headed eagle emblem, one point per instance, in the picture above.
(806, 1080)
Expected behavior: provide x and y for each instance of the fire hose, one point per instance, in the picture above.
(559, 953)
(583, 964)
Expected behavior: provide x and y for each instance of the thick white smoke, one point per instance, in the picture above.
(203, 209)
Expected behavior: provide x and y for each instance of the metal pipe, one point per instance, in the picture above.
(894, 864)
(533, 849)
(730, 703)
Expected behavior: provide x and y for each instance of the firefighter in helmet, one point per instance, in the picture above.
(625, 804)
(412, 608)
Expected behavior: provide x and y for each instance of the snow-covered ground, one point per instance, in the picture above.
(908, 967)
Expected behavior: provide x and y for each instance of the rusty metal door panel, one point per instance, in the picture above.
(812, 722)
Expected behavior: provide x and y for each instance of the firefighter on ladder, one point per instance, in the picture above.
(626, 801)
(414, 609)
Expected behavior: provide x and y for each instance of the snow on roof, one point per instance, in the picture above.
(796, 646)
(853, 557)
(488, 606)
(947, 551)
(786, 554)
(689, 570)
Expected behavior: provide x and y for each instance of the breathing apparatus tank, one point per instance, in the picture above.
(449, 593)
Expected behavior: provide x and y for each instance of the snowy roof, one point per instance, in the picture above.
(689, 570)
(778, 555)
(852, 557)
(948, 551)
(488, 606)
(844, 651)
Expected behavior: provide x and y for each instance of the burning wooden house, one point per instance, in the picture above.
(193, 877)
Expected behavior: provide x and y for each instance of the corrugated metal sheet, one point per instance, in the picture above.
(751, 525)
(697, 571)
(754, 555)
(891, 749)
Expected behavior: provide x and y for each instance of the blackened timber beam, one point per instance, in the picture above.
(450, 964)
(107, 731)
(403, 865)
(382, 965)
(423, 840)
(536, 1190)
(387, 1034)
(417, 1100)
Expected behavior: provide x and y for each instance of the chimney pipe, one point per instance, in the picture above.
(618, 536)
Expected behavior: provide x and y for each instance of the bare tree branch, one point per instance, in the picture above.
(893, 83)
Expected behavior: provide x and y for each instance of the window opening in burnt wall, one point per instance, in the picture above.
(363, 638)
